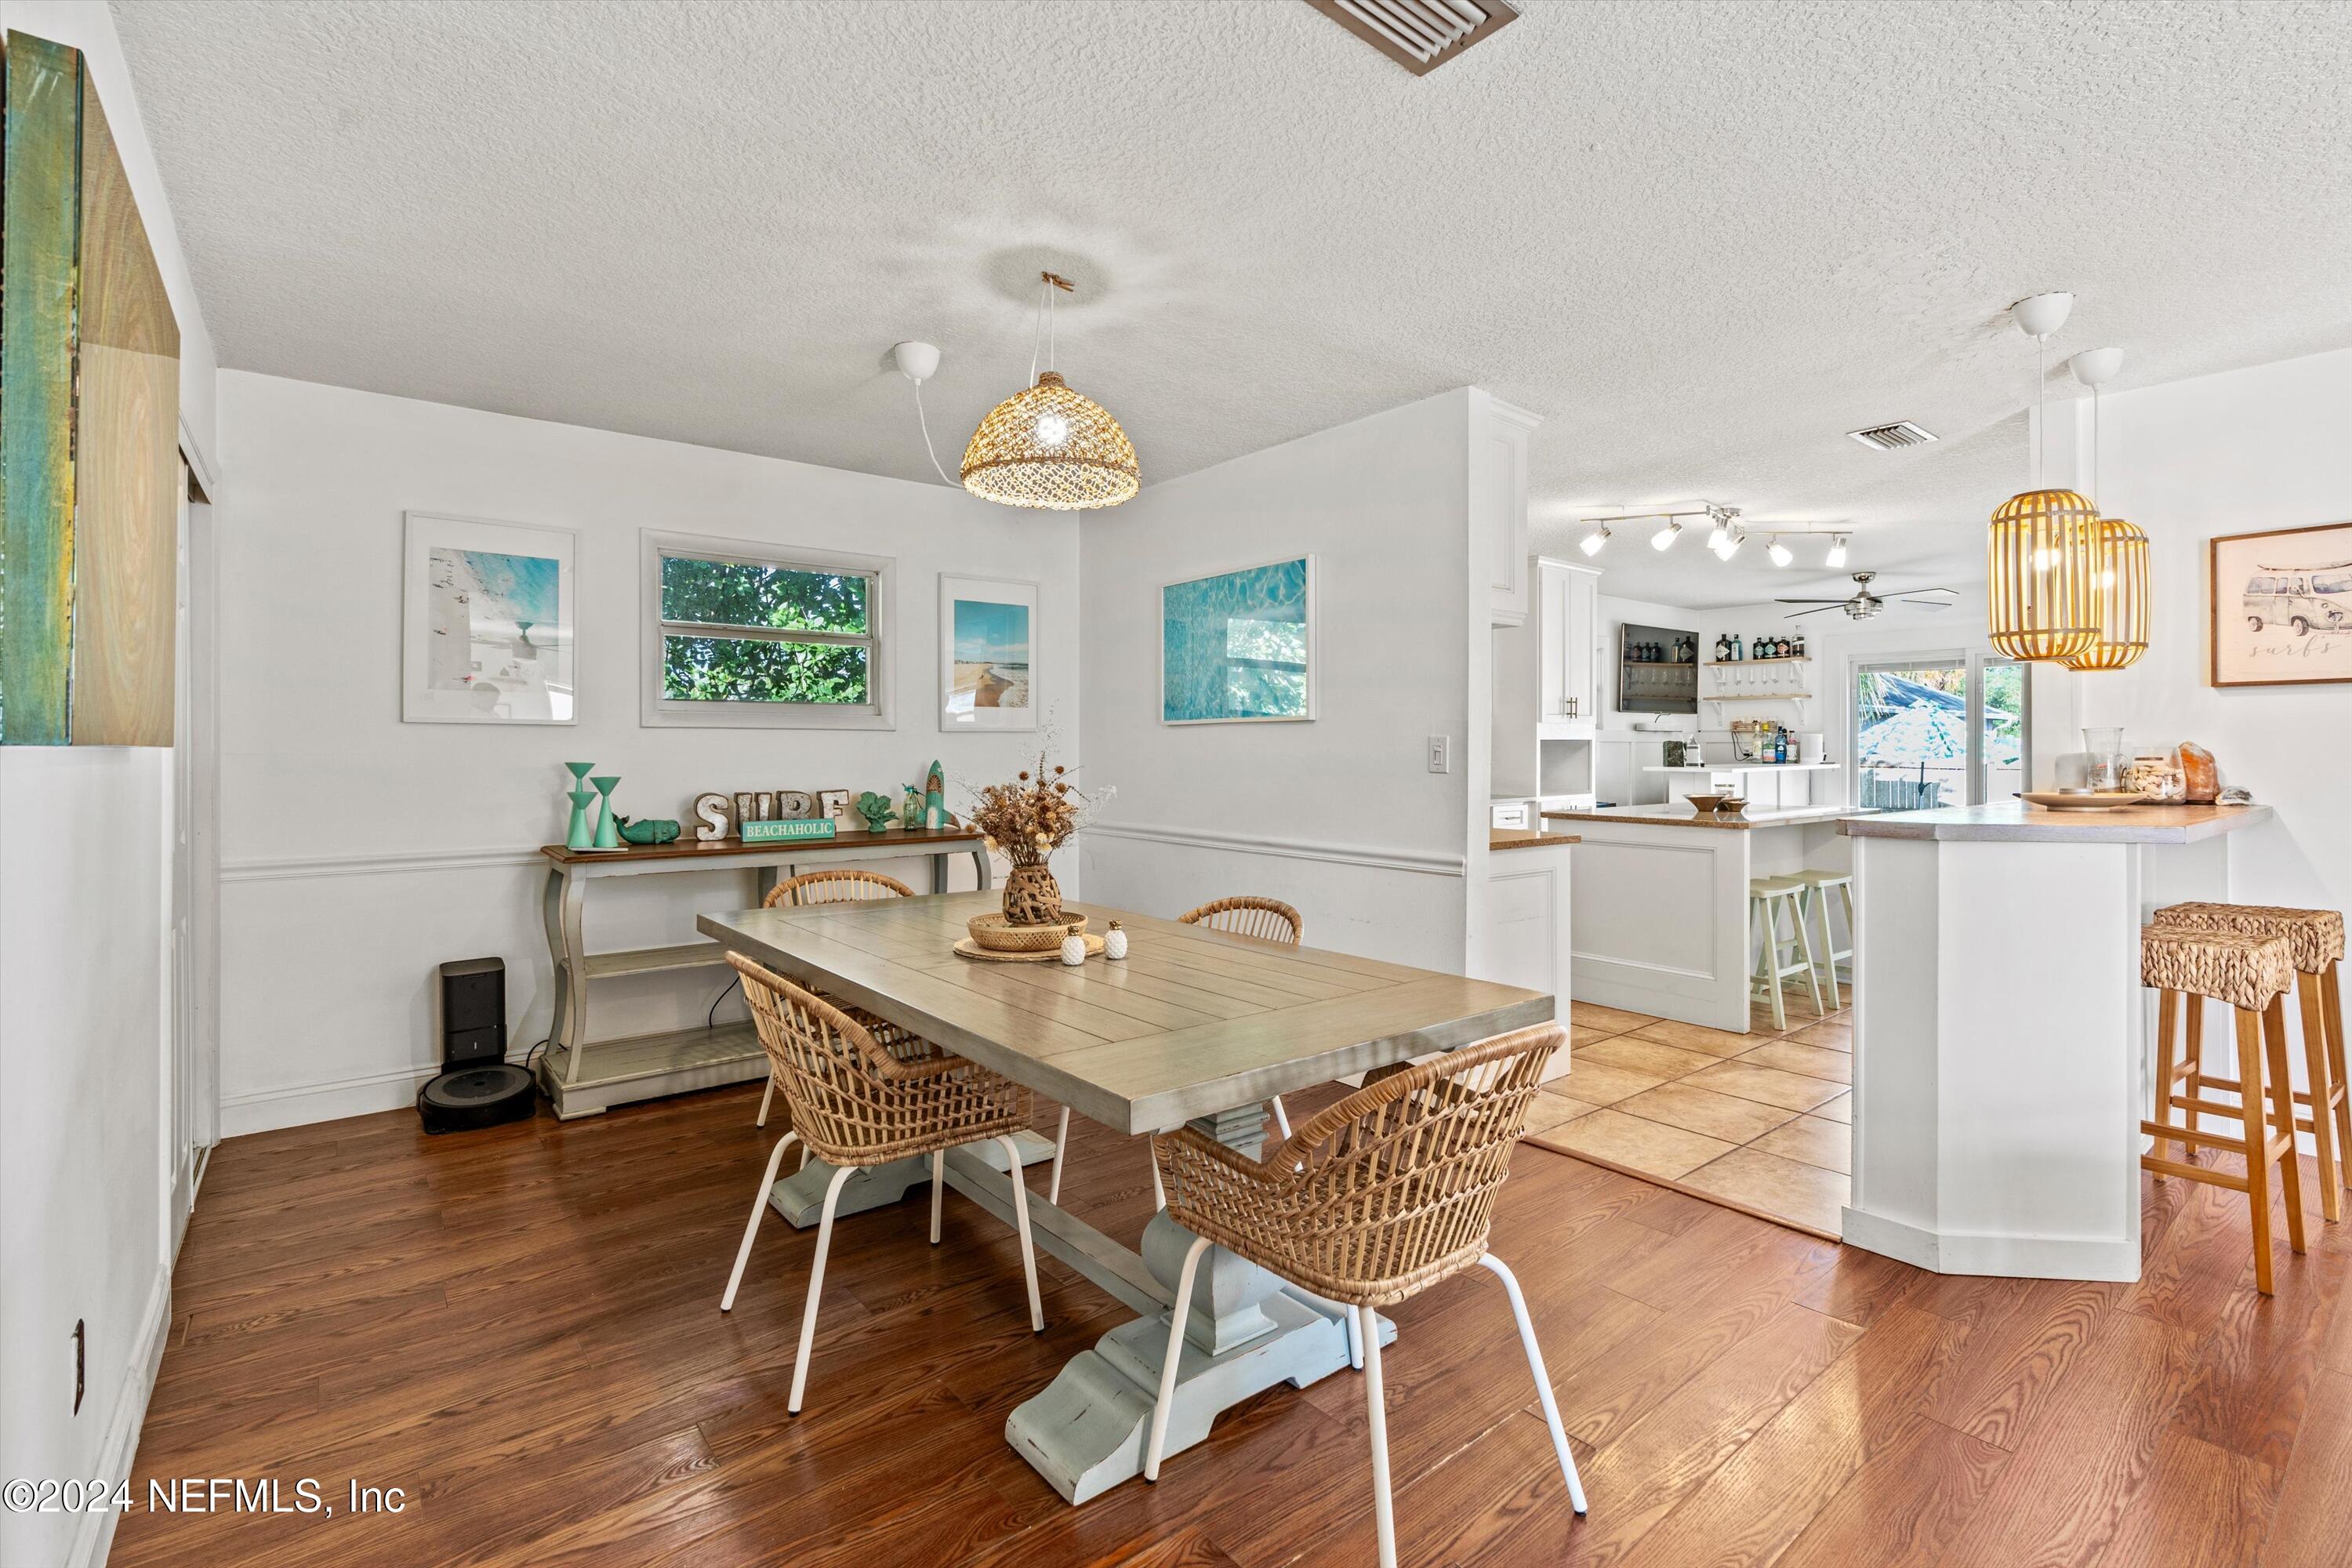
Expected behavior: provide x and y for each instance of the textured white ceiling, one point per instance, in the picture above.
(1702, 240)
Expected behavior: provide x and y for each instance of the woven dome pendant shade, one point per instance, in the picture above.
(2043, 560)
(2119, 590)
(1049, 446)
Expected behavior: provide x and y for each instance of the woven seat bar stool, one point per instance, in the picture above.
(855, 1103)
(1371, 1202)
(2251, 973)
(1778, 957)
(2316, 936)
(1815, 901)
(1267, 920)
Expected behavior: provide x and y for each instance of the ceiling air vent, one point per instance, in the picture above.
(1419, 34)
(1889, 437)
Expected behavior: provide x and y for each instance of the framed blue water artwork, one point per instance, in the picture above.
(1239, 646)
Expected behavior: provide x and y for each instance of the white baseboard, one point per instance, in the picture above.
(118, 1450)
(2006, 1256)
(300, 1104)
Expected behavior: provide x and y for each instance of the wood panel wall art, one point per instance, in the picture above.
(89, 390)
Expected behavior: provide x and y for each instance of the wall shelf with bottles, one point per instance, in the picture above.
(1742, 663)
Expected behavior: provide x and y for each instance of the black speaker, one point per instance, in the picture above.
(477, 1087)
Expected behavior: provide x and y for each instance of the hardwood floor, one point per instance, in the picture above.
(520, 1328)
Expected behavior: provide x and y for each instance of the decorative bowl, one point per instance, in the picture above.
(1731, 805)
(997, 934)
(1703, 804)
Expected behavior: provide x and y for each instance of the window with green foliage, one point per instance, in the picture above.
(737, 630)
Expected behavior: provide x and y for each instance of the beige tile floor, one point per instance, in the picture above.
(1758, 1122)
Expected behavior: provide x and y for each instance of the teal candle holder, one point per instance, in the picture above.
(608, 833)
(580, 772)
(580, 836)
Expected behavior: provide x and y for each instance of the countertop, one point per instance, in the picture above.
(1675, 816)
(2015, 822)
(1524, 838)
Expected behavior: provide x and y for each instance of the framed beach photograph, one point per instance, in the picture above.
(988, 635)
(1238, 648)
(2281, 607)
(487, 634)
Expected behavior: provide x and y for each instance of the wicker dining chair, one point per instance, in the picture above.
(856, 1102)
(1372, 1200)
(849, 887)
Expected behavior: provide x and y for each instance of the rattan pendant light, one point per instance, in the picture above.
(2046, 549)
(1049, 446)
(2120, 589)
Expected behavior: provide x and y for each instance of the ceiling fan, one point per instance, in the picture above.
(1866, 604)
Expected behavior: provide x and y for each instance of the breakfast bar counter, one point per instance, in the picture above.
(1660, 902)
(2000, 1030)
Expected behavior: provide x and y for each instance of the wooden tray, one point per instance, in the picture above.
(966, 948)
(2108, 800)
(998, 934)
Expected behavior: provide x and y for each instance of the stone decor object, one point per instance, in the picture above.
(2199, 774)
(649, 831)
(876, 809)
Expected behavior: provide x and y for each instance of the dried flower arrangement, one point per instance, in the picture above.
(1028, 819)
(1025, 821)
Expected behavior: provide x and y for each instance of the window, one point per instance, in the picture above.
(1946, 729)
(741, 634)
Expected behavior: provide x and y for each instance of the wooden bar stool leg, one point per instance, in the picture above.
(2249, 1108)
(2165, 1045)
(1805, 952)
(2331, 1007)
(2282, 1092)
(1771, 970)
(2322, 1094)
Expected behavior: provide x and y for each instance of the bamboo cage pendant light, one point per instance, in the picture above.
(1049, 446)
(2045, 550)
(2119, 595)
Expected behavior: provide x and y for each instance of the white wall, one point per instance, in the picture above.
(84, 890)
(2236, 453)
(1339, 816)
(358, 852)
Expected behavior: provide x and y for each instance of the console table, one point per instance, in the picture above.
(582, 1077)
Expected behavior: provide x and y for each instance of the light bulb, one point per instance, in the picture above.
(1836, 557)
(1731, 543)
(1664, 537)
(1592, 542)
(1780, 554)
(1053, 429)
(1715, 536)
(2044, 560)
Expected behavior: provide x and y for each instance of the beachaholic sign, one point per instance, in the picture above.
(988, 632)
(487, 634)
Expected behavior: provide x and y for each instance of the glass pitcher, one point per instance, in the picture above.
(2106, 759)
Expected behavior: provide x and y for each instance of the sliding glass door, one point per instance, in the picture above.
(1948, 730)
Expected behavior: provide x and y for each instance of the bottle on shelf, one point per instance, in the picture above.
(1738, 653)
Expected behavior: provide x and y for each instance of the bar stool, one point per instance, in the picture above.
(1819, 885)
(1370, 1203)
(2251, 973)
(1777, 956)
(2317, 939)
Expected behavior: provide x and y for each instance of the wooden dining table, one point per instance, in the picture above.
(1192, 1026)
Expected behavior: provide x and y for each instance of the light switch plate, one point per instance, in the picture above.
(1441, 754)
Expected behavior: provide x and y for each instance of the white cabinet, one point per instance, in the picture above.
(1500, 433)
(1569, 597)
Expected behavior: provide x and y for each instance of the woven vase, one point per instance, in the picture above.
(1032, 897)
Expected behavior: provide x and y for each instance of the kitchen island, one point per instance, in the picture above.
(1660, 902)
(2000, 1030)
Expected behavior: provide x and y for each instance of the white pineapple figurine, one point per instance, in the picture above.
(1115, 942)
